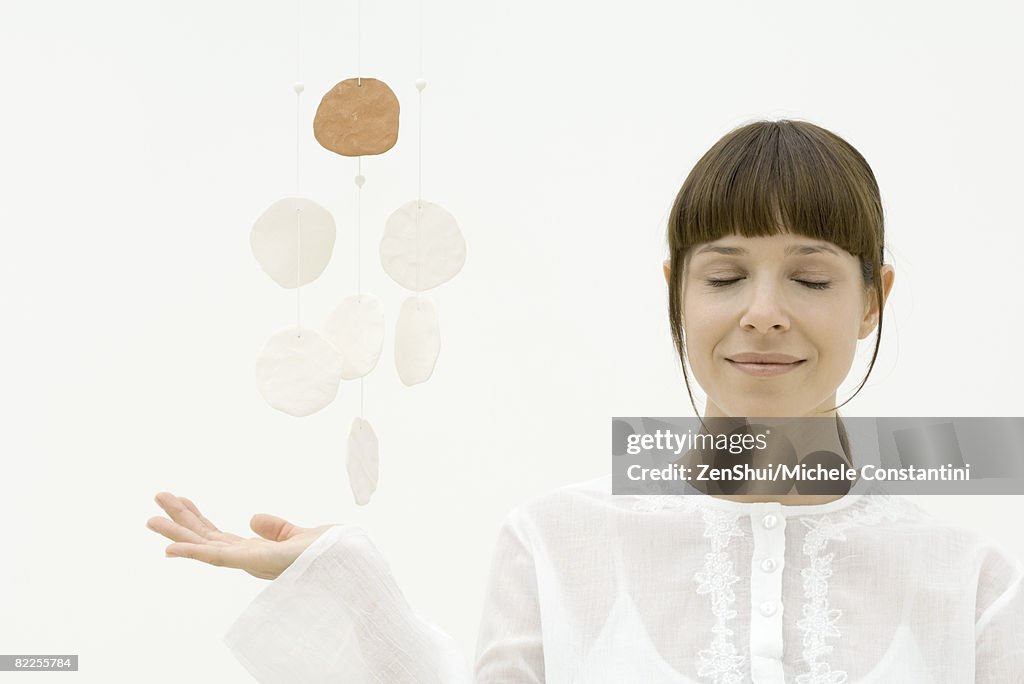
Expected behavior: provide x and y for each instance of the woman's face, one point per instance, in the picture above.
(800, 302)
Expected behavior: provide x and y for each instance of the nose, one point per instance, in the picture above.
(765, 309)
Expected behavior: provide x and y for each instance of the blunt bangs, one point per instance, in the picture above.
(776, 177)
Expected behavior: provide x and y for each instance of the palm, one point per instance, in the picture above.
(278, 545)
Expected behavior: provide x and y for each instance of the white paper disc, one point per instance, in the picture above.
(298, 375)
(362, 461)
(356, 329)
(276, 241)
(417, 340)
(422, 246)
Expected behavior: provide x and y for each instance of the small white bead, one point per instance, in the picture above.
(421, 84)
(770, 521)
(360, 179)
(298, 87)
(768, 565)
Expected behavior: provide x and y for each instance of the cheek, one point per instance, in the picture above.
(837, 343)
(705, 327)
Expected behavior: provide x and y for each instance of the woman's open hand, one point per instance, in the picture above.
(278, 545)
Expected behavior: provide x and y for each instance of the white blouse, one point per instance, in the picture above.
(587, 586)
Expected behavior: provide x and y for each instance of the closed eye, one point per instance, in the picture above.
(806, 283)
(815, 285)
(722, 283)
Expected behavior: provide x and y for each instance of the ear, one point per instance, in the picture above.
(871, 311)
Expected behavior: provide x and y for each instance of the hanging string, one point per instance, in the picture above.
(421, 83)
(298, 87)
(359, 225)
(359, 192)
(359, 253)
(359, 46)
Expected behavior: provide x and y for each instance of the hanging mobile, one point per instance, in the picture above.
(421, 248)
(298, 372)
(357, 117)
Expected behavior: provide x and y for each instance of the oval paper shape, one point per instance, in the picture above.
(356, 329)
(289, 227)
(362, 461)
(422, 246)
(417, 340)
(298, 375)
(357, 117)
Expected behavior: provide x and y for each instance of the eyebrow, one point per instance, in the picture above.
(794, 249)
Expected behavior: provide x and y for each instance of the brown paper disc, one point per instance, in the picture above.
(357, 117)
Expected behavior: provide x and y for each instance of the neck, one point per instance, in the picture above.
(789, 441)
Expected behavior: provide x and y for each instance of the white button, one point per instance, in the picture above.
(768, 565)
(768, 608)
(770, 521)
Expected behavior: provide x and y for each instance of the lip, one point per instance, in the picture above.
(765, 369)
(759, 357)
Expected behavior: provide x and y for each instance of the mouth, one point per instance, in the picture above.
(765, 369)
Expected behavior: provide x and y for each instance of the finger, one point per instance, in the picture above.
(221, 555)
(195, 510)
(180, 514)
(173, 530)
(273, 528)
(202, 518)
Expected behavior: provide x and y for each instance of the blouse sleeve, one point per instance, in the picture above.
(999, 628)
(337, 615)
(510, 644)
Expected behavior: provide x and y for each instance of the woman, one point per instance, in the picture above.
(776, 271)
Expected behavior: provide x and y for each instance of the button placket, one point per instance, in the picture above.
(768, 523)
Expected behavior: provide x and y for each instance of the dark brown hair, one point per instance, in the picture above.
(772, 177)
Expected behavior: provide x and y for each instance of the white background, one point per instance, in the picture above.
(140, 141)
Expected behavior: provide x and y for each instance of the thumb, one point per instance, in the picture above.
(272, 527)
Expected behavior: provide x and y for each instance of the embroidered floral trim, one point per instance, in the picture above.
(720, 661)
(819, 622)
